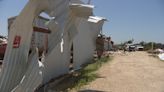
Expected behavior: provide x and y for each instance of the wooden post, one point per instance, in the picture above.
(152, 46)
(71, 68)
(89, 1)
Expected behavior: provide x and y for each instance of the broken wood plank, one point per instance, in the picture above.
(42, 30)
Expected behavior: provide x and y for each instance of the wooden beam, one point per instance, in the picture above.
(41, 30)
(89, 1)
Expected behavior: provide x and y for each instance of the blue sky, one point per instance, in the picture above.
(142, 20)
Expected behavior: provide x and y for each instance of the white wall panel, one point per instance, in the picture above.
(15, 60)
(85, 41)
(33, 76)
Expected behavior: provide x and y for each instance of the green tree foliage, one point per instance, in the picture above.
(148, 46)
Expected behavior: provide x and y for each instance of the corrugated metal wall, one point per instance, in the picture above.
(57, 62)
(33, 76)
(69, 22)
(15, 60)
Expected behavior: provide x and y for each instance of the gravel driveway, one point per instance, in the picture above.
(134, 72)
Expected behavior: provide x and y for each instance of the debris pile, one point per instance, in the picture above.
(161, 54)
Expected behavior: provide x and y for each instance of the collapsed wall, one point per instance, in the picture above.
(59, 60)
(72, 21)
(15, 62)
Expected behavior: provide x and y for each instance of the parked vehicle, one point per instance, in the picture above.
(132, 48)
(139, 48)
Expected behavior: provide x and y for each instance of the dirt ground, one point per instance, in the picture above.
(133, 72)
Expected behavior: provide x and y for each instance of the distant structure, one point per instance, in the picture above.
(104, 44)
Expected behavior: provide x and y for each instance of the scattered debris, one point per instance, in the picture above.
(161, 56)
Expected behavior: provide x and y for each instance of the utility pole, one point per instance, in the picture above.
(152, 46)
(89, 1)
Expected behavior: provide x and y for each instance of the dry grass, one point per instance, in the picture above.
(81, 77)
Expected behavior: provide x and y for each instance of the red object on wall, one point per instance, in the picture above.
(16, 42)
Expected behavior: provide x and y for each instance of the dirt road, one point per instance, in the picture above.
(135, 72)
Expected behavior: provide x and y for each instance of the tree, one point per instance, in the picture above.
(148, 46)
(129, 41)
(142, 43)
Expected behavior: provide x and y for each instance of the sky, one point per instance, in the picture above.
(141, 20)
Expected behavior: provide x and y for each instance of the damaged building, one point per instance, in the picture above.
(41, 49)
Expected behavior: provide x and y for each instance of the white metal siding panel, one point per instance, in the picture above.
(33, 77)
(15, 60)
(82, 45)
(84, 42)
(82, 10)
(57, 62)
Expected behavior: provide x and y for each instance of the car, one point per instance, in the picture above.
(132, 48)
